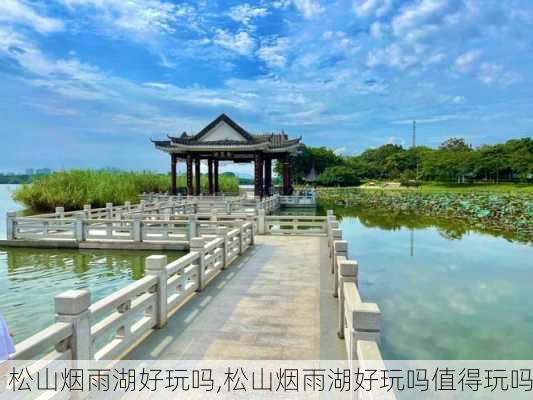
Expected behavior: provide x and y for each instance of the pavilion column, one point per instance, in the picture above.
(215, 165)
(210, 175)
(189, 175)
(289, 178)
(259, 175)
(268, 176)
(173, 162)
(197, 188)
(286, 175)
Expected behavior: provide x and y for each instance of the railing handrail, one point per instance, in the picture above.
(113, 312)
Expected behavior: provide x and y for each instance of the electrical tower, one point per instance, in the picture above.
(414, 134)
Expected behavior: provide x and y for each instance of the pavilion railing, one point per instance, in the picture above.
(358, 322)
(110, 327)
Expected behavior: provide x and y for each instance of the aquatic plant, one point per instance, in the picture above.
(512, 212)
(72, 189)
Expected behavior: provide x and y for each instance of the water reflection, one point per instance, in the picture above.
(452, 229)
(446, 291)
(30, 278)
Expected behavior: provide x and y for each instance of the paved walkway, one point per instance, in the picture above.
(275, 303)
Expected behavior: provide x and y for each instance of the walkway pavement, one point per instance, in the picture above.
(275, 303)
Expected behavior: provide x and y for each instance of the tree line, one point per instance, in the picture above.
(454, 161)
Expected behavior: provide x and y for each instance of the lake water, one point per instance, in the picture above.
(30, 278)
(444, 292)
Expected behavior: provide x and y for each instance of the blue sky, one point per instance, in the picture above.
(86, 83)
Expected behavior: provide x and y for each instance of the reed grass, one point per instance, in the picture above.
(72, 189)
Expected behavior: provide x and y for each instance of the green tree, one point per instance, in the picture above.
(338, 176)
(318, 157)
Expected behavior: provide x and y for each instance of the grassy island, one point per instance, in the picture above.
(72, 189)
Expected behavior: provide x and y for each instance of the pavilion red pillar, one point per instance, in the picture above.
(210, 176)
(215, 165)
(259, 175)
(268, 176)
(173, 179)
(286, 176)
(189, 175)
(197, 188)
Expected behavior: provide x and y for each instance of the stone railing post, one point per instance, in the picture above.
(157, 266)
(193, 226)
(340, 249)
(127, 206)
(252, 233)
(197, 244)
(109, 210)
(11, 221)
(137, 228)
(241, 240)
(80, 228)
(60, 212)
(366, 322)
(228, 207)
(73, 307)
(213, 214)
(87, 210)
(222, 232)
(348, 270)
(336, 234)
(142, 205)
(261, 227)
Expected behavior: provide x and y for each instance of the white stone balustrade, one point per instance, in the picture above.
(294, 224)
(108, 328)
(359, 323)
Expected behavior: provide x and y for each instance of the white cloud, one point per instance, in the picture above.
(245, 13)
(392, 56)
(309, 8)
(340, 150)
(366, 8)
(281, 4)
(458, 100)
(241, 43)
(431, 120)
(139, 16)
(396, 140)
(466, 61)
(423, 13)
(490, 73)
(274, 53)
(17, 12)
(376, 30)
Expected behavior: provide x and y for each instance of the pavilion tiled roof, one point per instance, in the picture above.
(263, 141)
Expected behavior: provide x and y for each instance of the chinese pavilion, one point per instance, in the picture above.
(225, 140)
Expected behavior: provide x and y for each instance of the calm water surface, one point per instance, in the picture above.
(444, 292)
(30, 278)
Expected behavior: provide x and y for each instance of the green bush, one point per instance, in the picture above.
(338, 176)
(72, 189)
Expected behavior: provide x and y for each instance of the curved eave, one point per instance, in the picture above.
(206, 147)
(292, 148)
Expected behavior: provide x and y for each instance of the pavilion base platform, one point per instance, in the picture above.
(96, 245)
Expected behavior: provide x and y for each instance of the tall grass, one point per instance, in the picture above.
(72, 189)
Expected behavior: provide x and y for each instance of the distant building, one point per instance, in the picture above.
(43, 171)
(30, 171)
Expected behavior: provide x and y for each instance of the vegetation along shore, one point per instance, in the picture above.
(510, 212)
(72, 189)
